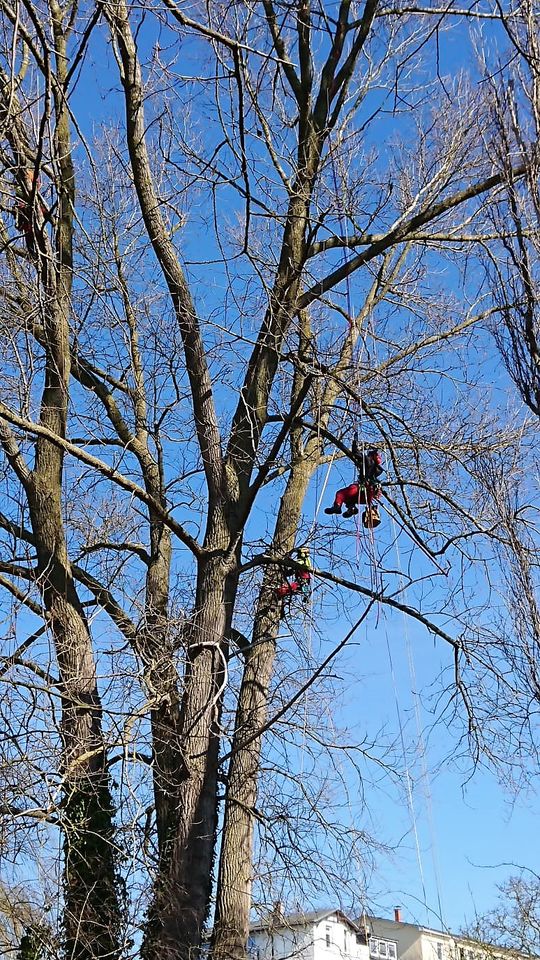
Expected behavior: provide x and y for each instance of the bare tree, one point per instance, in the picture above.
(513, 268)
(87, 803)
(514, 922)
(200, 304)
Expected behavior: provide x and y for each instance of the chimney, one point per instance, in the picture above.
(397, 915)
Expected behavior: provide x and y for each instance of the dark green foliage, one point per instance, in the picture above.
(94, 888)
(33, 943)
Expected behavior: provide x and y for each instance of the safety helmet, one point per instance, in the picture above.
(302, 552)
(376, 455)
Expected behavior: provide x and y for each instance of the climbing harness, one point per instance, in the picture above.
(365, 490)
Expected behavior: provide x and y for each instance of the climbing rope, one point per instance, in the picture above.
(424, 772)
(408, 781)
(372, 554)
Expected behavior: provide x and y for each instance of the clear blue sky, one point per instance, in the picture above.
(473, 828)
(472, 825)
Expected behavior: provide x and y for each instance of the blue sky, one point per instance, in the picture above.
(473, 829)
(468, 829)
(477, 824)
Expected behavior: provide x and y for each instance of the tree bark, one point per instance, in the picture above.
(233, 903)
(181, 900)
(92, 908)
(92, 913)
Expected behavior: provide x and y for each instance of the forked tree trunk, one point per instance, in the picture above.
(235, 875)
(182, 895)
(233, 902)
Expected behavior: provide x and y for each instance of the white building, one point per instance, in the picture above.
(322, 935)
(331, 935)
(415, 942)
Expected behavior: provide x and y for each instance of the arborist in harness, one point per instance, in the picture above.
(296, 581)
(366, 489)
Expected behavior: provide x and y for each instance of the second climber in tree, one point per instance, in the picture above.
(366, 489)
(296, 581)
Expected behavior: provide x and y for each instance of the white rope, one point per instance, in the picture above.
(425, 778)
(410, 799)
(424, 773)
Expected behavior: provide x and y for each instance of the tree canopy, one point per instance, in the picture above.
(234, 236)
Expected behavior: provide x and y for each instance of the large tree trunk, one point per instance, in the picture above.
(234, 886)
(92, 907)
(233, 903)
(182, 896)
(92, 910)
(234, 881)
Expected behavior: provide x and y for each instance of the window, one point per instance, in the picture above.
(345, 941)
(384, 949)
(439, 951)
(328, 938)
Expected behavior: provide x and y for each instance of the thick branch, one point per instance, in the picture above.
(402, 232)
(196, 363)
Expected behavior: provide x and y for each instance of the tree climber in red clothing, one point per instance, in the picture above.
(366, 489)
(296, 581)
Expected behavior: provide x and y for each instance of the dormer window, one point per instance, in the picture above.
(382, 949)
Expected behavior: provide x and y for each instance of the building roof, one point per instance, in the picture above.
(399, 924)
(277, 919)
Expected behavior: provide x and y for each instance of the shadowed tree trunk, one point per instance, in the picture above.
(93, 903)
